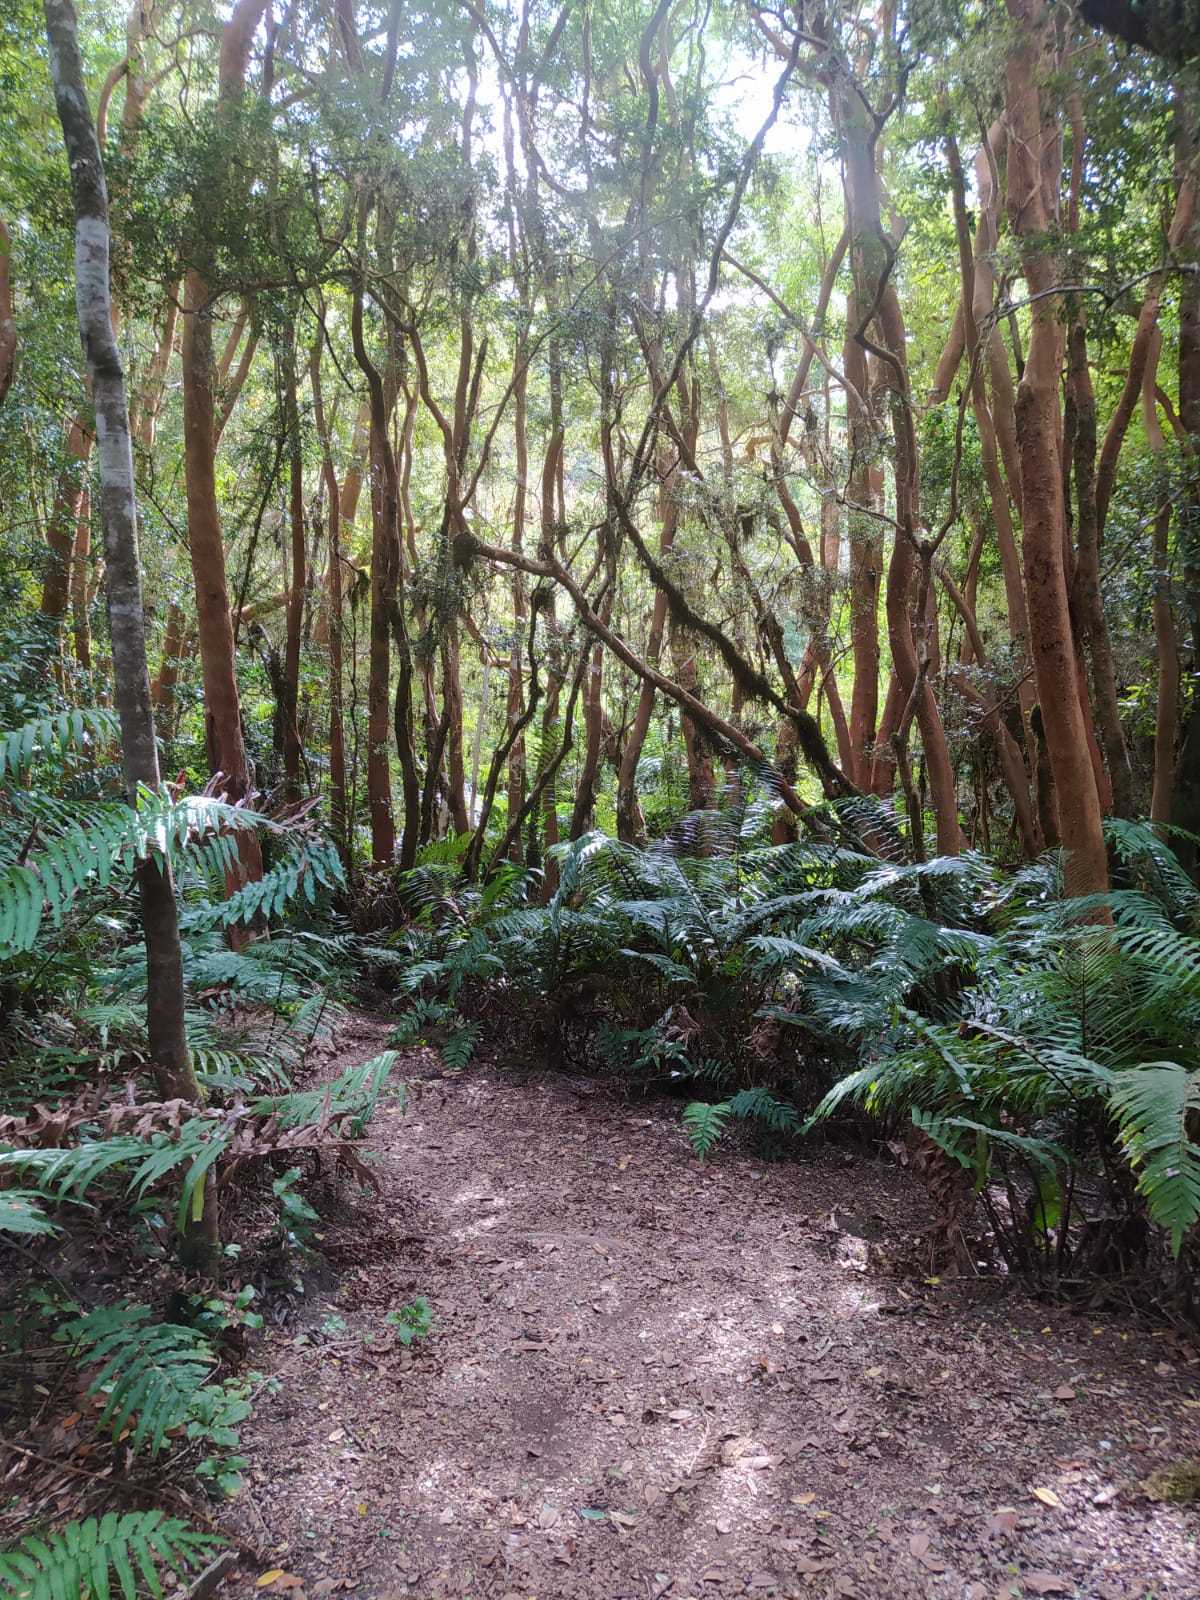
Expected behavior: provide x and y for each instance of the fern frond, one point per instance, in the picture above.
(1157, 1107)
(54, 735)
(312, 867)
(353, 1094)
(149, 1371)
(21, 1212)
(759, 1105)
(704, 1124)
(82, 1558)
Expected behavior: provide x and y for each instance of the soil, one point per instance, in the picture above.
(647, 1377)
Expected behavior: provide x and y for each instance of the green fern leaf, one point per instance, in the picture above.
(148, 1371)
(54, 735)
(1157, 1106)
(21, 1212)
(79, 1559)
(705, 1124)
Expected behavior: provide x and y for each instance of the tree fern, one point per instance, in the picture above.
(1157, 1107)
(83, 1558)
(149, 1371)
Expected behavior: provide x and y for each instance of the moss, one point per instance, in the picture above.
(1179, 1483)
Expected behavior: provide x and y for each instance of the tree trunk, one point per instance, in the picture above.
(8, 325)
(339, 812)
(1166, 720)
(1186, 802)
(169, 1054)
(292, 751)
(1043, 523)
(218, 661)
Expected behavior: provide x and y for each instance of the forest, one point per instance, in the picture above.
(600, 799)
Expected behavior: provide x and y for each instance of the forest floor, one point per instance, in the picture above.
(649, 1377)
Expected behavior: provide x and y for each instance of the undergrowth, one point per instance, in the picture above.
(1036, 1055)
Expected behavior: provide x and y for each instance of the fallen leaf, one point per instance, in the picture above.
(623, 1163)
(1064, 1392)
(269, 1577)
(919, 1549)
(1046, 1496)
(803, 1499)
(1046, 1583)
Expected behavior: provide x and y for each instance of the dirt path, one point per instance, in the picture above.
(652, 1378)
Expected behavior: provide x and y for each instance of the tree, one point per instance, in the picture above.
(164, 964)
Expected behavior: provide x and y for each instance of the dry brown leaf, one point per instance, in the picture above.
(1047, 1497)
(1046, 1583)
(1002, 1522)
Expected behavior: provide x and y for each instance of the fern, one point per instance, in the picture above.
(21, 1212)
(1154, 1105)
(460, 1046)
(314, 866)
(149, 1372)
(54, 735)
(759, 1105)
(196, 829)
(352, 1094)
(705, 1124)
(83, 1557)
(70, 1174)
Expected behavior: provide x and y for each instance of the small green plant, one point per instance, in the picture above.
(216, 1416)
(460, 1046)
(219, 1313)
(412, 1322)
(333, 1326)
(298, 1222)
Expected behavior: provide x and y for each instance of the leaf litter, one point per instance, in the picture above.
(594, 1418)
